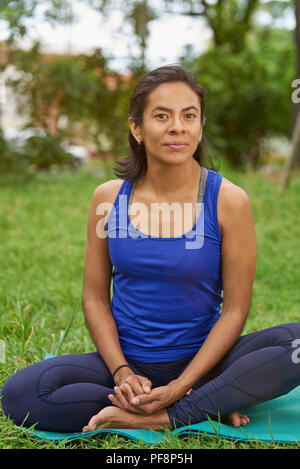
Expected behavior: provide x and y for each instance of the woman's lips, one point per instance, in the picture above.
(179, 146)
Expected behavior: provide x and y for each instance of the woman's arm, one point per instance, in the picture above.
(96, 290)
(239, 254)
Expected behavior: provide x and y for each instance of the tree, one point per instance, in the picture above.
(138, 14)
(248, 93)
(140, 17)
(81, 89)
(286, 175)
(228, 20)
(16, 15)
(294, 157)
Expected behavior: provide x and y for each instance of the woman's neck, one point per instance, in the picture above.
(163, 182)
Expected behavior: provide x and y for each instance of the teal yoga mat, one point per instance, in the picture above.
(277, 421)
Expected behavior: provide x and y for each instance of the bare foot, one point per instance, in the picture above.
(114, 417)
(236, 419)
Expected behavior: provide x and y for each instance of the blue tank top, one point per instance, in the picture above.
(167, 292)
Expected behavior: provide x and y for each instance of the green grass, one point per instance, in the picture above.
(43, 232)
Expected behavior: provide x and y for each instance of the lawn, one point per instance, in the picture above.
(43, 232)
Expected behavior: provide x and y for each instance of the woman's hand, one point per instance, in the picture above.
(145, 403)
(159, 398)
(138, 384)
(122, 400)
(129, 385)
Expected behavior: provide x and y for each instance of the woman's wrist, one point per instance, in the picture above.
(178, 389)
(122, 374)
(125, 365)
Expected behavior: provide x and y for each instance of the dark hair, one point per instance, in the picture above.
(134, 166)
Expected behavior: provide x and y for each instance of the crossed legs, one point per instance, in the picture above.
(67, 393)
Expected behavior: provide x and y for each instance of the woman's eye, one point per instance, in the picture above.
(162, 116)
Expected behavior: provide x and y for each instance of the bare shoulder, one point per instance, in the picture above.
(233, 203)
(231, 193)
(107, 191)
(102, 201)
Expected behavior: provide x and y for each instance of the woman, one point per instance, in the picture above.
(166, 356)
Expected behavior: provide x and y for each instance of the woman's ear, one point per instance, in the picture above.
(135, 129)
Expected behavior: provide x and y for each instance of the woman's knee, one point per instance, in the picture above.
(11, 396)
(18, 393)
(285, 334)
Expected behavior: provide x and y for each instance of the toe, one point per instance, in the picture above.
(235, 419)
(244, 419)
(91, 425)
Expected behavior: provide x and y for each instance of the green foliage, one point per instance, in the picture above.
(10, 158)
(247, 73)
(43, 152)
(91, 98)
(34, 154)
(248, 93)
(17, 15)
(5, 159)
(14, 14)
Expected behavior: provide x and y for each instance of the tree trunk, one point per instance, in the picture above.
(291, 161)
(296, 106)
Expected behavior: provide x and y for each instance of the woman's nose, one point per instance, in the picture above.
(176, 125)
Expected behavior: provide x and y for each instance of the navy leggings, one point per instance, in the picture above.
(62, 393)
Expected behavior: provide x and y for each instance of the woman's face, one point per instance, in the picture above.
(171, 123)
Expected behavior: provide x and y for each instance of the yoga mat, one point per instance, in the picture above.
(277, 421)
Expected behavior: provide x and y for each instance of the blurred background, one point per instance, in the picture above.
(67, 70)
(68, 67)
